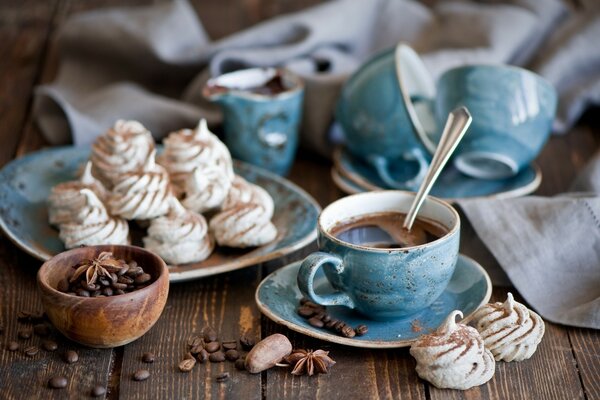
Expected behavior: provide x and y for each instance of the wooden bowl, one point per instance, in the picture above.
(104, 322)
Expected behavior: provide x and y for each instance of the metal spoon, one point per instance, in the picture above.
(456, 125)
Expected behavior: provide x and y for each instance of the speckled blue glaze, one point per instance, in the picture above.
(25, 184)
(278, 296)
(381, 283)
(260, 129)
(512, 108)
(451, 184)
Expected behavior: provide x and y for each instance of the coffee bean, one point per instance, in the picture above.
(89, 286)
(104, 282)
(196, 349)
(30, 316)
(210, 335)
(347, 331)
(230, 345)
(119, 286)
(240, 364)
(41, 330)
(319, 315)
(118, 292)
(96, 293)
(212, 347)
(49, 345)
(71, 357)
(31, 351)
(223, 377)
(195, 341)
(134, 271)
(123, 270)
(125, 279)
(98, 391)
(339, 326)
(141, 375)
(148, 358)
(232, 355)
(314, 305)
(202, 356)
(143, 278)
(63, 285)
(247, 341)
(305, 311)
(303, 301)
(57, 382)
(326, 318)
(82, 293)
(316, 322)
(361, 330)
(187, 364)
(24, 334)
(107, 291)
(113, 277)
(332, 323)
(12, 346)
(133, 264)
(216, 357)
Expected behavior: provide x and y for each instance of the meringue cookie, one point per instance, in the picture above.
(454, 356)
(93, 226)
(245, 219)
(187, 150)
(142, 194)
(510, 330)
(66, 200)
(124, 148)
(206, 189)
(180, 237)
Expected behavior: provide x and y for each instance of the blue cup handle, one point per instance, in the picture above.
(381, 165)
(306, 278)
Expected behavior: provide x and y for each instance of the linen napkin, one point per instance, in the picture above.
(149, 63)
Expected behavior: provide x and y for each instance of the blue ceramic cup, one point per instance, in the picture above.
(262, 109)
(381, 283)
(513, 110)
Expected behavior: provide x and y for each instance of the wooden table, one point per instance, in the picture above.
(566, 365)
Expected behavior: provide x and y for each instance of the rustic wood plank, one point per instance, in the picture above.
(224, 302)
(586, 348)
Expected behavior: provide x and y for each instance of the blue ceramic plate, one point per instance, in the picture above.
(26, 182)
(354, 173)
(278, 297)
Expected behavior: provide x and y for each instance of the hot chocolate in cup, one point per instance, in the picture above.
(375, 266)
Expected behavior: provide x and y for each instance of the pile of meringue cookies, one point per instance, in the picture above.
(457, 356)
(125, 181)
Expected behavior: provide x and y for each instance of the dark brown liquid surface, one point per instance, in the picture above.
(384, 230)
(272, 87)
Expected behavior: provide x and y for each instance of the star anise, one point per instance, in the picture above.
(104, 265)
(309, 362)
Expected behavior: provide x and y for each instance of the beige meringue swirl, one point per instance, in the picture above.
(93, 226)
(245, 219)
(66, 199)
(142, 194)
(454, 356)
(180, 237)
(206, 189)
(123, 148)
(187, 150)
(510, 330)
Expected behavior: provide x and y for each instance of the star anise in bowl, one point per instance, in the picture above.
(309, 362)
(105, 265)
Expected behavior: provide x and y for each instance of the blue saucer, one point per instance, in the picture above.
(278, 297)
(451, 184)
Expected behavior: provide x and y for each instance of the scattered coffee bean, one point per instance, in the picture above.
(143, 278)
(41, 330)
(187, 364)
(210, 335)
(24, 334)
(211, 347)
(194, 341)
(202, 356)
(98, 391)
(148, 358)
(348, 331)
(63, 285)
(31, 351)
(196, 349)
(331, 323)
(223, 377)
(217, 357)
(361, 330)
(71, 357)
(339, 326)
(240, 364)
(306, 312)
(12, 346)
(232, 355)
(57, 382)
(30, 316)
(49, 345)
(141, 375)
(230, 345)
(316, 322)
(247, 341)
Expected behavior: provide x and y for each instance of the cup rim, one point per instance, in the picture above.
(451, 232)
(298, 84)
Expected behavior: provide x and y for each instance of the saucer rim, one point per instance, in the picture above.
(367, 344)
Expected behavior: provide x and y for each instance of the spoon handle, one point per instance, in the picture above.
(456, 125)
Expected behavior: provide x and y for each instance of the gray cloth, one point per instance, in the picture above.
(150, 63)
